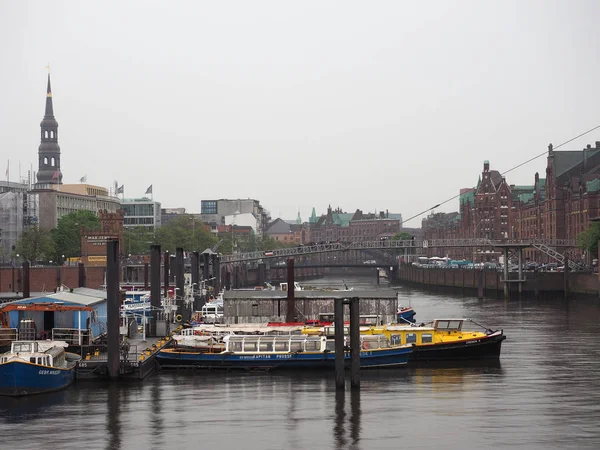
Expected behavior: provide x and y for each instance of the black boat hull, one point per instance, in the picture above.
(475, 349)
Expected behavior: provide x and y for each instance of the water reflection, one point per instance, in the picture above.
(156, 415)
(346, 433)
(113, 422)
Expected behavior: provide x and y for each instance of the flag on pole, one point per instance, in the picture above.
(83, 179)
(121, 189)
(55, 176)
(149, 190)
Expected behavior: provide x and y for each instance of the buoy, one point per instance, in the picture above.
(178, 318)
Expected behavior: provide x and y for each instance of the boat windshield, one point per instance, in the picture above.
(269, 344)
(448, 325)
(24, 347)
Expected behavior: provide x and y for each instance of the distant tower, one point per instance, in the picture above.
(49, 151)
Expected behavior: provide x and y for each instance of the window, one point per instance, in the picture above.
(295, 346)
(396, 339)
(250, 346)
(255, 310)
(208, 207)
(236, 347)
(266, 346)
(411, 338)
(426, 338)
(312, 346)
(281, 346)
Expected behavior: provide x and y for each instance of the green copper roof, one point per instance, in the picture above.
(342, 219)
(313, 217)
(467, 197)
(526, 198)
(593, 186)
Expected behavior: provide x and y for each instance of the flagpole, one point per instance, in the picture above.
(8, 172)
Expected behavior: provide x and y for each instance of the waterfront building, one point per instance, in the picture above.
(141, 212)
(560, 206)
(215, 211)
(93, 242)
(372, 227)
(289, 233)
(19, 209)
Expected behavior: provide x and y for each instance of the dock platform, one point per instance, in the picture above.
(136, 360)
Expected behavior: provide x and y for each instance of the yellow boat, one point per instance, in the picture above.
(440, 340)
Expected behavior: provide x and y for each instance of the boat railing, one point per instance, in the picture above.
(72, 336)
(7, 335)
(99, 353)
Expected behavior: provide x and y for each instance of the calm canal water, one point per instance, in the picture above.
(543, 394)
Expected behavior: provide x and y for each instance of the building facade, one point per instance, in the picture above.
(141, 212)
(215, 211)
(93, 242)
(560, 206)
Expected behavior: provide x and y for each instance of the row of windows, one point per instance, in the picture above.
(143, 209)
(138, 221)
(49, 134)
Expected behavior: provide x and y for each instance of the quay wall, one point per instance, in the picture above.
(490, 282)
(46, 279)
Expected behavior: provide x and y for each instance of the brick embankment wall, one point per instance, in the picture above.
(46, 279)
(491, 281)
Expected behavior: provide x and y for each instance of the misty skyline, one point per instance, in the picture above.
(387, 105)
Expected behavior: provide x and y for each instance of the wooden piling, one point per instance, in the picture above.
(180, 284)
(26, 280)
(82, 279)
(113, 303)
(154, 285)
(166, 273)
(355, 342)
(195, 268)
(291, 299)
(338, 305)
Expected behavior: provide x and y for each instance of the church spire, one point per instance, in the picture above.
(49, 150)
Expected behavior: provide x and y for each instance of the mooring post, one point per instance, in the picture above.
(217, 272)
(195, 268)
(377, 275)
(520, 270)
(180, 283)
(154, 286)
(338, 317)
(206, 268)
(26, 281)
(81, 275)
(166, 261)
(566, 277)
(113, 303)
(506, 263)
(291, 298)
(146, 276)
(355, 342)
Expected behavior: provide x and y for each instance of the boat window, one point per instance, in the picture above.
(266, 346)
(411, 338)
(426, 338)
(250, 346)
(21, 348)
(281, 346)
(369, 345)
(235, 346)
(326, 317)
(295, 346)
(32, 360)
(442, 324)
(330, 345)
(396, 339)
(384, 343)
(312, 346)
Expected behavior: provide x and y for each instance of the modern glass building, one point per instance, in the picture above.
(141, 212)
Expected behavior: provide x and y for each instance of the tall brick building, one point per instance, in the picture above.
(560, 206)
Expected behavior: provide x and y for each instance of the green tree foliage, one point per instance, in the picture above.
(402, 236)
(35, 244)
(588, 240)
(137, 241)
(184, 231)
(67, 235)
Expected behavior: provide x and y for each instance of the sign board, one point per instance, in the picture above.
(97, 259)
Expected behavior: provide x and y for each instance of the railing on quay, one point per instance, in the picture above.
(72, 336)
(99, 353)
(7, 335)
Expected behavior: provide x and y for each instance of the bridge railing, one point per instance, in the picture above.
(389, 244)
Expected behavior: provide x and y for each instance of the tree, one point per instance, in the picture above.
(184, 231)
(402, 236)
(35, 244)
(588, 240)
(137, 240)
(67, 235)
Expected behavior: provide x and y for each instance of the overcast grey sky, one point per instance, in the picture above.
(369, 105)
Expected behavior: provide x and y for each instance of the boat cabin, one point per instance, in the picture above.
(212, 312)
(30, 351)
(295, 343)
